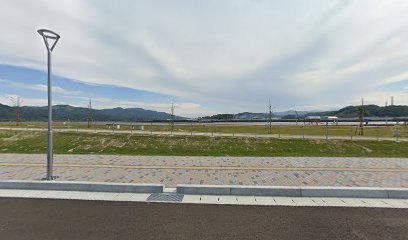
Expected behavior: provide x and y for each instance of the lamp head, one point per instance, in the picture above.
(48, 34)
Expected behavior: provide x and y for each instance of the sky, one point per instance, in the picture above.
(210, 56)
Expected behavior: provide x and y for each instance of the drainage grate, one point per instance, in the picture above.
(165, 197)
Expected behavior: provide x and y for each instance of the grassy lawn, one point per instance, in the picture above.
(104, 143)
(332, 130)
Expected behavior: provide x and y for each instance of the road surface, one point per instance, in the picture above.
(74, 219)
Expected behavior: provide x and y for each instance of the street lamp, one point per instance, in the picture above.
(48, 37)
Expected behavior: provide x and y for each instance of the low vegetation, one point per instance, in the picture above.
(127, 144)
(317, 130)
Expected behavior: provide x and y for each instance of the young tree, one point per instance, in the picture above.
(17, 105)
(361, 114)
(172, 116)
(90, 115)
(297, 117)
(270, 117)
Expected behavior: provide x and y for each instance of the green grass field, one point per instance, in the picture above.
(127, 144)
(332, 130)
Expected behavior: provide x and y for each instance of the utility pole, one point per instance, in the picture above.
(17, 104)
(49, 35)
(172, 116)
(90, 115)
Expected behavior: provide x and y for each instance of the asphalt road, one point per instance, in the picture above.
(71, 219)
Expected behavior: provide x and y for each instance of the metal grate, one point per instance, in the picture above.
(165, 197)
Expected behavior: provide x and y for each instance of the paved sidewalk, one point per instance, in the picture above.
(277, 171)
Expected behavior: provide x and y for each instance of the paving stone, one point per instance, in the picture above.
(172, 177)
(319, 201)
(246, 200)
(396, 203)
(284, 201)
(228, 200)
(131, 197)
(376, 203)
(354, 202)
(335, 202)
(209, 199)
(192, 199)
(305, 201)
(265, 200)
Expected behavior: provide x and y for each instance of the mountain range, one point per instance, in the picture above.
(369, 111)
(346, 112)
(70, 113)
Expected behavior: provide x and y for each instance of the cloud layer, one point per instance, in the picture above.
(224, 55)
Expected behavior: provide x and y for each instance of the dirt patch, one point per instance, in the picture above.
(366, 149)
(22, 136)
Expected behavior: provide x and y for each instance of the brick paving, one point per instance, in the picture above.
(172, 177)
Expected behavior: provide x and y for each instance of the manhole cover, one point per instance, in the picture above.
(163, 197)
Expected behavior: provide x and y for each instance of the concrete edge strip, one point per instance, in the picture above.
(344, 192)
(189, 189)
(206, 199)
(110, 192)
(82, 186)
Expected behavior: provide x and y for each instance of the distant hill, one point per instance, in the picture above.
(284, 114)
(370, 111)
(66, 112)
(250, 115)
(6, 112)
(238, 116)
(346, 112)
(292, 113)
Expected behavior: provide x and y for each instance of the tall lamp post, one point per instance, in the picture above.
(48, 37)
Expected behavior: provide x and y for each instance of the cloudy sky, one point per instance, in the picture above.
(212, 56)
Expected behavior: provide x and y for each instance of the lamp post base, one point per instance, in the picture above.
(50, 178)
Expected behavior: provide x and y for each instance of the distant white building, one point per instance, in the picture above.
(313, 118)
(330, 118)
(317, 119)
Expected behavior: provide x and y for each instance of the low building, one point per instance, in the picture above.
(329, 118)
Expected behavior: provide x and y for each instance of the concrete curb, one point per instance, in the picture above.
(346, 192)
(82, 186)
(237, 190)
